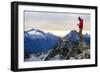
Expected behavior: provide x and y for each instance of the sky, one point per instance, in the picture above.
(55, 21)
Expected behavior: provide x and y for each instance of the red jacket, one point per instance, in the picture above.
(81, 24)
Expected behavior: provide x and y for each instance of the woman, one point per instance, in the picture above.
(80, 35)
(80, 28)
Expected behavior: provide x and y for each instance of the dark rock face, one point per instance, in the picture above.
(69, 47)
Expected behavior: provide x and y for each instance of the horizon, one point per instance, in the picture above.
(61, 33)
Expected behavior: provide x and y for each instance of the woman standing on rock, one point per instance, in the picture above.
(80, 35)
(80, 28)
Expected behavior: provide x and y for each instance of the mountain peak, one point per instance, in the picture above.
(37, 41)
(73, 36)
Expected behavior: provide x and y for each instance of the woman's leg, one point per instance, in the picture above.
(81, 42)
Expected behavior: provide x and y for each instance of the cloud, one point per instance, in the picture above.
(54, 21)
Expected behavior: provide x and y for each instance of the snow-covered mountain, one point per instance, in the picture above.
(86, 38)
(38, 41)
(73, 36)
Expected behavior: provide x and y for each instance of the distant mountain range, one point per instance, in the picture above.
(86, 38)
(38, 41)
(73, 36)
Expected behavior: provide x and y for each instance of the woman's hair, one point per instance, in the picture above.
(79, 18)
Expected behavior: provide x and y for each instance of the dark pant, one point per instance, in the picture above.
(80, 35)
